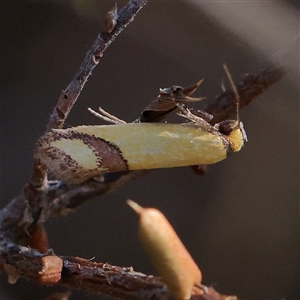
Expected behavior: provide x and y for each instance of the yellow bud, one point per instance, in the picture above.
(166, 251)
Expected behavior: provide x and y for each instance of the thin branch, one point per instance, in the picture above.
(69, 96)
(68, 198)
(89, 276)
(30, 205)
(250, 87)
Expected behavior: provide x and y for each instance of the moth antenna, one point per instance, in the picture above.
(236, 93)
(223, 87)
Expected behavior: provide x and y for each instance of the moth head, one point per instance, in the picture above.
(234, 129)
(235, 132)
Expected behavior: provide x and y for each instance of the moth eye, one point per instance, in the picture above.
(225, 127)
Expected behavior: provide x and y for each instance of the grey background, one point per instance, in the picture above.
(241, 220)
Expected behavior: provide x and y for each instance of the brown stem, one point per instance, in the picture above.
(78, 273)
(69, 96)
(250, 87)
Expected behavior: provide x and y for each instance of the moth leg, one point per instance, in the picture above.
(104, 115)
(223, 88)
(195, 120)
(202, 114)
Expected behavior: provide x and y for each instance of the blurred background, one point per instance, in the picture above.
(240, 221)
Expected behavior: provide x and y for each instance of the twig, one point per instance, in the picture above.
(250, 87)
(69, 96)
(86, 275)
(68, 198)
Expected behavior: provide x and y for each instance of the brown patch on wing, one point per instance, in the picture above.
(109, 156)
(65, 168)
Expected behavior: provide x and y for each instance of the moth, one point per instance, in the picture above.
(76, 154)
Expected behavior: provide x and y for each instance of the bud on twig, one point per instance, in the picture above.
(166, 251)
(111, 19)
(38, 239)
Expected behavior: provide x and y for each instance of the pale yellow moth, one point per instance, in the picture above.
(76, 154)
